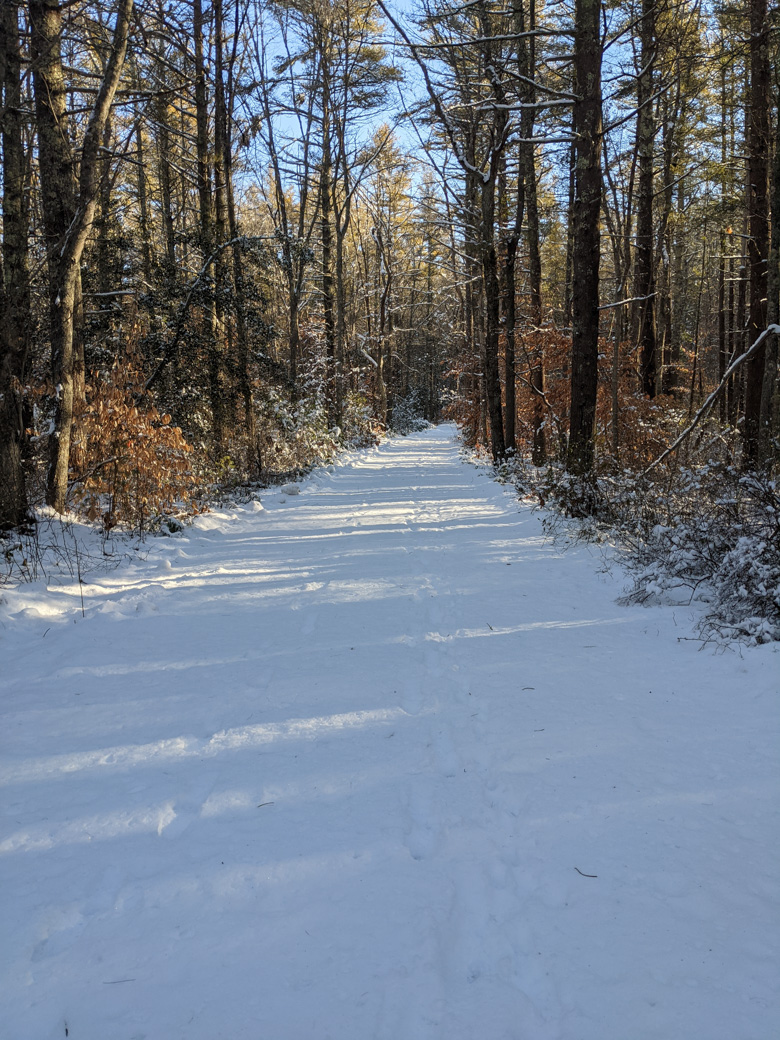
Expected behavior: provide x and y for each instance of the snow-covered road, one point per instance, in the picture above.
(378, 762)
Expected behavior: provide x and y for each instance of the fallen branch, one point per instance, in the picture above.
(773, 330)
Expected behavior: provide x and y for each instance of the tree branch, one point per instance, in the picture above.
(770, 331)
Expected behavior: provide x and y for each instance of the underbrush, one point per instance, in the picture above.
(693, 527)
(134, 472)
(702, 532)
(56, 548)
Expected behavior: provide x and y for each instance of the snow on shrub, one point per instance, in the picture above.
(709, 534)
(407, 415)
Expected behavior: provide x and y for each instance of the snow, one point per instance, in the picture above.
(378, 760)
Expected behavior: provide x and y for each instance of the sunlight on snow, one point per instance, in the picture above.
(127, 756)
(100, 827)
(531, 626)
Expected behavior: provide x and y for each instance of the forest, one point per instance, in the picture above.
(240, 237)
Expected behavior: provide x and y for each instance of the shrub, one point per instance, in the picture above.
(407, 414)
(128, 464)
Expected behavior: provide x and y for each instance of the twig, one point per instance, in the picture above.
(585, 875)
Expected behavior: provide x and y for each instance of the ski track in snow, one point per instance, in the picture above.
(329, 769)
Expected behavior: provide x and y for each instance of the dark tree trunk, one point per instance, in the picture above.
(492, 317)
(15, 282)
(770, 412)
(326, 237)
(731, 408)
(672, 146)
(326, 233)
(568, 275)
(487, 240)
(341, 226)
(143, 208)
(58, 201)
(758, 222)
(586, 236)
(225, 99)
(644, 267)
(163, 139)
(722, 347)
(68, 214)
(472, 293)
(510, 323)
(205, 151)
(528, 176)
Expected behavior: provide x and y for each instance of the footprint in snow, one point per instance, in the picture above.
(308, 624)
(104, 894)
(186, 809)
(411, 697)
(420, 837)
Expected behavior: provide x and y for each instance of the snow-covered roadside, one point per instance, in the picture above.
(344, 765)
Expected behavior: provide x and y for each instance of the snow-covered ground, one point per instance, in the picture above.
(377, 761)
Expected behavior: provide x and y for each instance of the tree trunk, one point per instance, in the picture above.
(326, 233)
(15, 281)
(770, 410)
(722, 347)
(207, 232)
(731, 408)
(381, 292)
(58, 200)
(143, 207)
(67, 215)
(510, 323)
(162, 114)
(341, 314)
(242, 338)
(586, 236)
(528, 175)
(758, 223)
(644, 267)
(492, 317)
(568, 274)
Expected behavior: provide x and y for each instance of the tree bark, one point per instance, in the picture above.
(528, 178)
(326, 234)
(644, 266)
(207, 229)
(586, 236)
(492, 316)
(15, 281)
(758, 222)
(770, 406)
(68, 213)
